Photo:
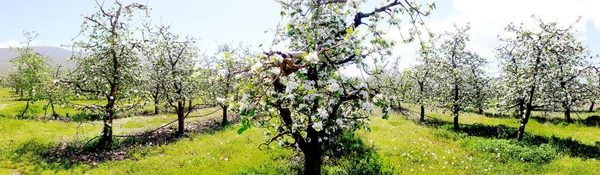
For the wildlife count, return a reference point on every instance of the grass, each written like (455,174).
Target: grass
(397,145)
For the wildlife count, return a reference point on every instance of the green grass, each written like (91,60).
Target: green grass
(399,145)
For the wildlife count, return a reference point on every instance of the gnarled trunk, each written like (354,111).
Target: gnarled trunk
(525,118)
(313,153)
(107,131)
(591,107)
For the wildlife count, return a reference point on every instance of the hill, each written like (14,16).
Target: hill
(57,55)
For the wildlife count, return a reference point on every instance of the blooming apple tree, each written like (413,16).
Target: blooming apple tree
(538,67)
(225,66)
(455,72)
(110,67)
(303,95)
(174,59)
(423,76)
(33,70)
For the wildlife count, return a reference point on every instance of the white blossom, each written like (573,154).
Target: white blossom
(278,57)
(291,86)
(256,67)
(339,121)
(318,126)
(322,113)
(334,87)
(312,57)
(367,106)
(220,100)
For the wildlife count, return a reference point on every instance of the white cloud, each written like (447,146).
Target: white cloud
(489,18)
(14,43)
(10,43)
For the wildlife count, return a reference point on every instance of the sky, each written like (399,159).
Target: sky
(232,21)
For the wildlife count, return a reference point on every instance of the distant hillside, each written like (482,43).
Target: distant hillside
(57,56)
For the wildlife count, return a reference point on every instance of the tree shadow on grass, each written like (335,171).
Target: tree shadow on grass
(567,145)
(499,115)
(62,156)
(589,121)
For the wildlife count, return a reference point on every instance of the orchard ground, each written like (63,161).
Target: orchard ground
(400,145)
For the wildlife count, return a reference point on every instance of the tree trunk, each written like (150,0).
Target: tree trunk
(591,107)
(528,109)
(455,115)
(568,114)
(313,152)
(312,162)
(422,113)
(156,106)
(21,91)
(224,121)
(107,131)
(521,108)
(25,110)
(190,106)
(53,111)
(180,118)
(456,106)
(524,121)
(480,111)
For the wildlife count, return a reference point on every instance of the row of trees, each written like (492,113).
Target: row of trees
(301,94)
(124,71)
(33,76)
(541,68)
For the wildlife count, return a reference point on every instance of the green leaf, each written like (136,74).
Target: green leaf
(241,130)
(385,116)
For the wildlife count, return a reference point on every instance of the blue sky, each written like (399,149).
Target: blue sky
(58,21)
